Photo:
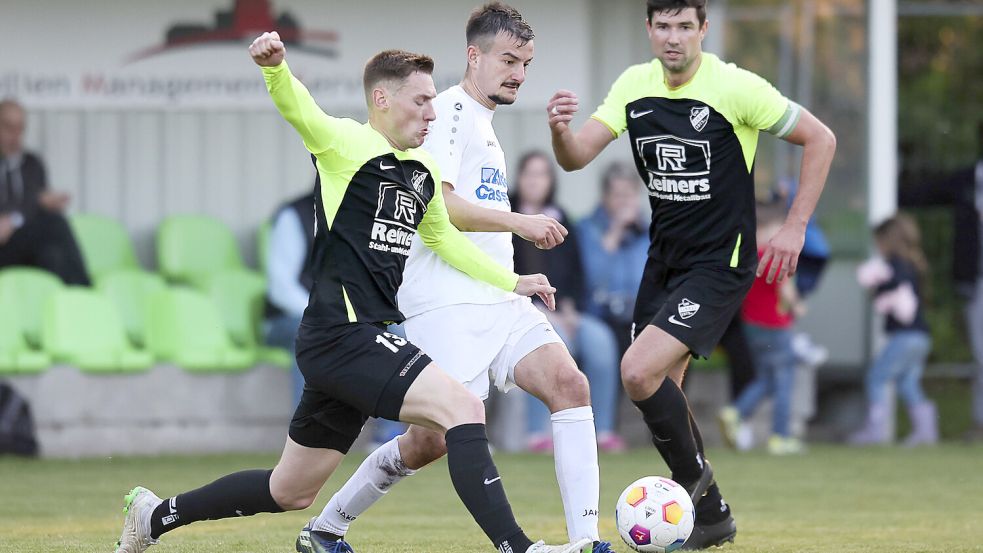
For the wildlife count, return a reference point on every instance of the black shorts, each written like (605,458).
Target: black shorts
(351,372)
(693,305)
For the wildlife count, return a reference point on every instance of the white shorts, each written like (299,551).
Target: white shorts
(476,343)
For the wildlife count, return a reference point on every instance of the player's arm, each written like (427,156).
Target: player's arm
(819,145)
(574,150)
(445,240)
(546,232)
(291,97)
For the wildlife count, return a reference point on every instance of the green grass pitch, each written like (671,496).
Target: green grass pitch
(832,499)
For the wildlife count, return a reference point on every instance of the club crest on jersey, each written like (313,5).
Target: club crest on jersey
(698,117)
(419,177)
(687,308)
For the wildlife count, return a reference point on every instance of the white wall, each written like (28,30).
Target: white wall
(140,156)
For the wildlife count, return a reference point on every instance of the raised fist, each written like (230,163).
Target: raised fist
(267,50)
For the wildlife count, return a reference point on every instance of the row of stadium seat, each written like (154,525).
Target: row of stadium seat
(190,248)
(201,312)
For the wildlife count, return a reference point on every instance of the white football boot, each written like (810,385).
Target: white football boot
(140,505)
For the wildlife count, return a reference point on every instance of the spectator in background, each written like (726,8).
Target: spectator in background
(33,227)
(590,341)
(812,264)
(897,277)
(769,313)
(613,245)
(963,191)
(289,277)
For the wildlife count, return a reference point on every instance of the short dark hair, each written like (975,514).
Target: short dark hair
(617,170)
(495,17)
(676,6)
(394,65)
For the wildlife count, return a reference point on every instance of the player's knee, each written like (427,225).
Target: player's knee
(572,387)
(635,375)
(461,407)
(472,410)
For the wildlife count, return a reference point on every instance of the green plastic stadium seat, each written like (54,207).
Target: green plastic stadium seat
(186,328)
(130,291)
(105,244)
(263,245)
(278,357)
(239,296)
(82,328)
(192,247)
(15,355)
(28,290)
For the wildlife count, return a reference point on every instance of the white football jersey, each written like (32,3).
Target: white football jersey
(464,144)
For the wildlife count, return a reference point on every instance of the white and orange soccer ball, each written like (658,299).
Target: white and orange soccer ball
(655,514)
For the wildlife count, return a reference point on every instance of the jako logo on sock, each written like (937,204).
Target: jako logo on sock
(505,547)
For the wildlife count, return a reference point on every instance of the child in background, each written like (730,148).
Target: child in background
(769,313)
(897,278)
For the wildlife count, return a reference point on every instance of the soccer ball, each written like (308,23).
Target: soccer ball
(655,514)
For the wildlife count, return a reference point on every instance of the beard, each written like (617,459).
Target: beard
(499,100)
(677,66)
(503,101)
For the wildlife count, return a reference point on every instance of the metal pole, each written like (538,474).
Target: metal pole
(882,107)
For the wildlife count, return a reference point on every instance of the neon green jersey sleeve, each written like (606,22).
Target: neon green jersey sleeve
(625,89)
(319,130)
(758,104)
(445,240)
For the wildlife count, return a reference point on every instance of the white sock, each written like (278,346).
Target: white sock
(377,473)
(575,456)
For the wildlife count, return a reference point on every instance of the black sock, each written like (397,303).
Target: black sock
(240,494)
(480,487)
(667,415)
(696,434)
(711,508)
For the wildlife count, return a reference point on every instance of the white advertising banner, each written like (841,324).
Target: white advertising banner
(192,53)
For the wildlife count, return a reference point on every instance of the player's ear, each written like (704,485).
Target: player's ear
(380,98)
(704,28)
(473,54)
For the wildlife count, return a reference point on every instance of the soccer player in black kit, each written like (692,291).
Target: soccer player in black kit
(693,123)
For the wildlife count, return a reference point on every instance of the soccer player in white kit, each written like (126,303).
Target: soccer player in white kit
(476,333)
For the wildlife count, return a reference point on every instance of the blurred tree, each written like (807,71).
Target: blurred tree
(940,103)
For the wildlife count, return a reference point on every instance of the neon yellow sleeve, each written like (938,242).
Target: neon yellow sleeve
(759,104)
(445,240)
(624,90)
(294,102)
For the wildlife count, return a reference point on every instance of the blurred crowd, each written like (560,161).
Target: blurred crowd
(596,272)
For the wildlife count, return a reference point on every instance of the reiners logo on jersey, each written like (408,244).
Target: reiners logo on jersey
(678,168)
(698,117)
(396,216)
